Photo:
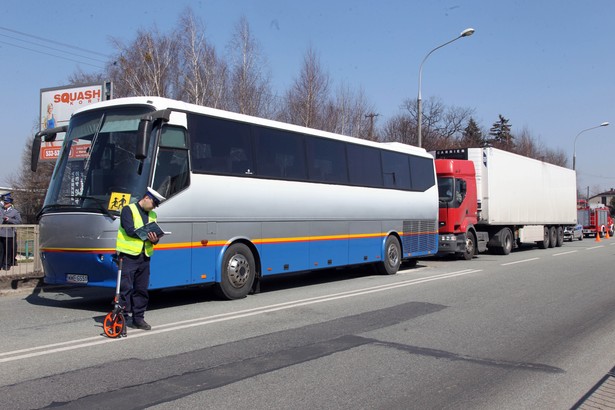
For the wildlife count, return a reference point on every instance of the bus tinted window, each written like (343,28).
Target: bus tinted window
(364,166)
(395,170)
(422,173)
(279,154)
(327,160)
(220,146)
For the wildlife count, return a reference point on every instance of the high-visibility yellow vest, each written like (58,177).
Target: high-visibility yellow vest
(133,246)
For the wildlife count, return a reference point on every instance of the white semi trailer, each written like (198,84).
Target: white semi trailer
(518,200)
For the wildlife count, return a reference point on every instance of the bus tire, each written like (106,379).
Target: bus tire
(392,257)
(238,272)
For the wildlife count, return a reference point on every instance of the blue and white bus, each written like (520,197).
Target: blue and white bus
(246,197)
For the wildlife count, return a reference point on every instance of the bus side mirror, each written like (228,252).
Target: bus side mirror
(36,149)
(145,129)
(48,135)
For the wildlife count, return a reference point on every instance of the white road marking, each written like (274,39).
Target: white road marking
(522,261)
(185,324)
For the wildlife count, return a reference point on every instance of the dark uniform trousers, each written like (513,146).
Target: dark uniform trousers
(134,284)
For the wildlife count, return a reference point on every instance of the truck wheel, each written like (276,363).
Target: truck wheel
(560,237)
(238,272)
(552,237)
(470,246)
(392,257)
(544,244)
(506,241)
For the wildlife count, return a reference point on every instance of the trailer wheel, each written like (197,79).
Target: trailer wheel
(506,241)
(392,257)
(470,249)
(238,272)
(544,244)
(560,237)
(552,237)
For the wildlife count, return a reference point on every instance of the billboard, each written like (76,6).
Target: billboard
(57,106)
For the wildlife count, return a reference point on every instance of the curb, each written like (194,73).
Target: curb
(14,282)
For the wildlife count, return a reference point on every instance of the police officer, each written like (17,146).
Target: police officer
(8,235)
(135,255)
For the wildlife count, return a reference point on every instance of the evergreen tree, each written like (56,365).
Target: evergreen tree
(472,136)
(500,134)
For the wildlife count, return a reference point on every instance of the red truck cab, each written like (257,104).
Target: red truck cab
(458,209)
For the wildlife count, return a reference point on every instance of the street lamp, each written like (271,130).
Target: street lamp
(574,153)
(465,33)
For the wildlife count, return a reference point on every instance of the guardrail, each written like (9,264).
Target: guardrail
(27,259)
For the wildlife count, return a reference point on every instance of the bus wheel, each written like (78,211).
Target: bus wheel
(392,257)
(238,272)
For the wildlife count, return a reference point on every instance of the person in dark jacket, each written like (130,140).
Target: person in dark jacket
(8,244)
(135,254)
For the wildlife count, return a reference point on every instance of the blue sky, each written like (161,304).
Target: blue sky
(547,65)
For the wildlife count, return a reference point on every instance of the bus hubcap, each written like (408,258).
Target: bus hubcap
(238,270)
(393,256)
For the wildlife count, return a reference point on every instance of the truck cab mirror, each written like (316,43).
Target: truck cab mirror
(463,187)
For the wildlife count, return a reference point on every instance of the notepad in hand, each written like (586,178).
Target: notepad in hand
(150,227)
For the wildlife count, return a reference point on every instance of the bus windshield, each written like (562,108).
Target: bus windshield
(97,170)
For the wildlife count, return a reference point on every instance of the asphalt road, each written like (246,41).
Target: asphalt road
(531,330)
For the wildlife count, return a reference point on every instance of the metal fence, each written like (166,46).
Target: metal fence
(24,259)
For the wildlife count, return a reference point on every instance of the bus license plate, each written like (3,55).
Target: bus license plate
(76,278)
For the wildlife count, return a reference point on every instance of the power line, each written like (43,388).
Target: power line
(52,48)
(49,54)
(53,42)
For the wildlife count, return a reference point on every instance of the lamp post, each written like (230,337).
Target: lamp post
(465,33)
(574,152)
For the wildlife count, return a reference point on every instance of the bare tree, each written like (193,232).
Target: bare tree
(349,113)
(526,145)
(249,89)
(400,128)
(81,77)
(203,75)
(147,66)
(30,187)
(306,99)
(442,126)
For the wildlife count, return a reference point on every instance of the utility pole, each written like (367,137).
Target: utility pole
(371,124)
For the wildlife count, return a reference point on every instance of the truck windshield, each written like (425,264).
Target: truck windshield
(97,170)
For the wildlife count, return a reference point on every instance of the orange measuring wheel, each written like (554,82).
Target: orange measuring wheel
(114,324)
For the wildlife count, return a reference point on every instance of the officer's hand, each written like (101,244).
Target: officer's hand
(153,238)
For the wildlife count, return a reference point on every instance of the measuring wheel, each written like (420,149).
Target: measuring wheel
(114,324)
